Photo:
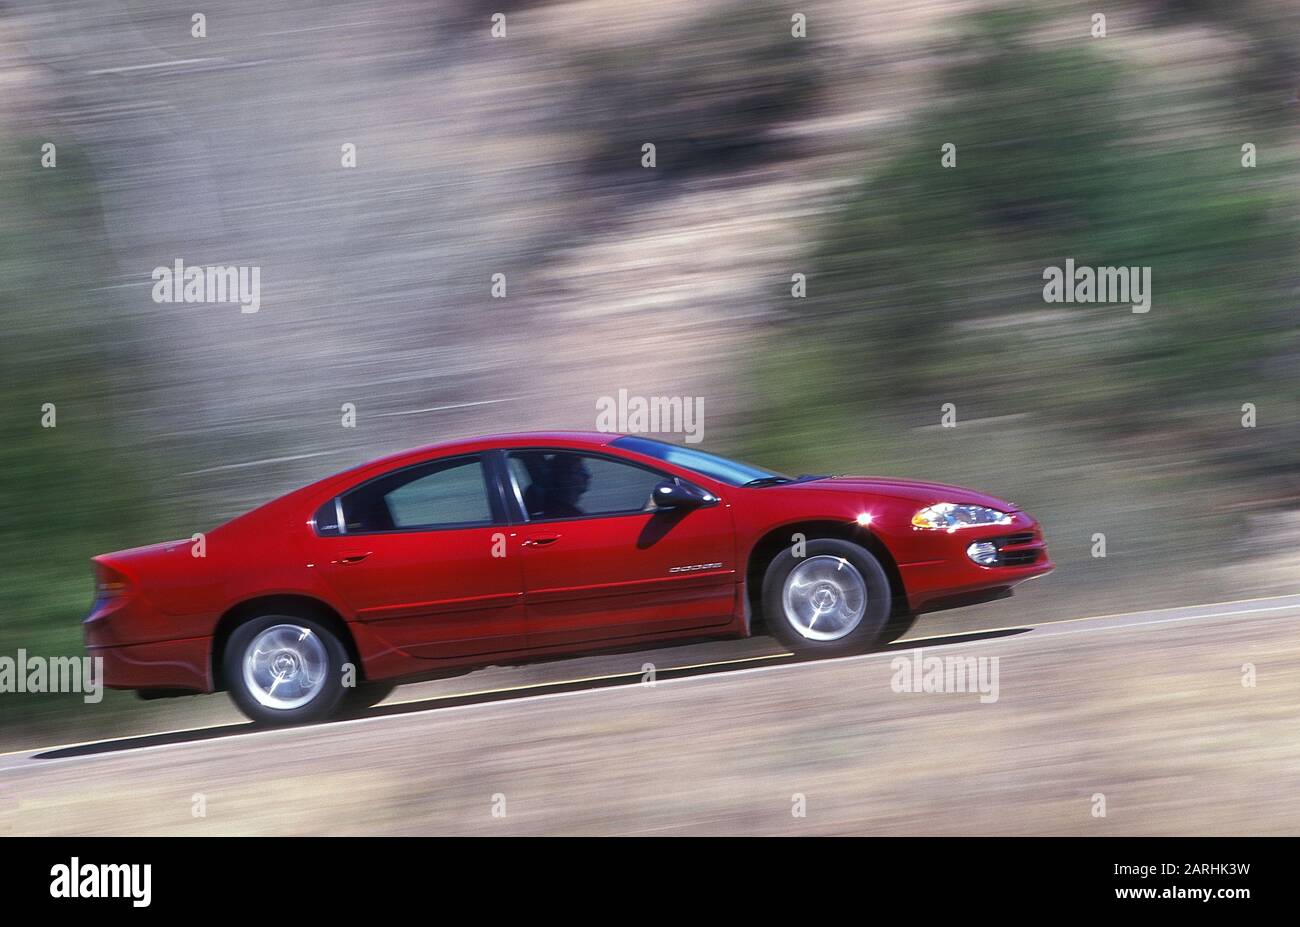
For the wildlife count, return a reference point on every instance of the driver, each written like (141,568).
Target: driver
(567,478)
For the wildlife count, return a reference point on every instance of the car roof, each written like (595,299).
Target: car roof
(510,439)
(481,443)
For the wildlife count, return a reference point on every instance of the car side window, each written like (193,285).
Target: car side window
(327,517)
(441,494)
(563,484)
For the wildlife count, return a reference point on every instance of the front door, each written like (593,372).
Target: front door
(601,563)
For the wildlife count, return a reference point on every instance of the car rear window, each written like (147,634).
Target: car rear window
(440,494)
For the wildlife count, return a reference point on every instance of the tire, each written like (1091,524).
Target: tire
(304,654)
(833,601)
(360,698)
(898,625)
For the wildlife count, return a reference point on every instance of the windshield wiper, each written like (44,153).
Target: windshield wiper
(778,480)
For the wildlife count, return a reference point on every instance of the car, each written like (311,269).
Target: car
(517,548)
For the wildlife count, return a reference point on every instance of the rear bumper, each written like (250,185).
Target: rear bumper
(951,578)
(182,664)
(123,631)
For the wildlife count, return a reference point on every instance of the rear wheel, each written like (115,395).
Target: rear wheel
(834,600)
(284,669)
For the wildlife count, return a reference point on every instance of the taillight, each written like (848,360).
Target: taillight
(109,583)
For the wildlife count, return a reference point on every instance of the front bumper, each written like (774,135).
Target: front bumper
(948,576)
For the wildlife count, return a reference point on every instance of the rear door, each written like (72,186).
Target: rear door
(601,563)
(418,554)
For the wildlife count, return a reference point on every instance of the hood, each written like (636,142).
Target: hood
(915,490)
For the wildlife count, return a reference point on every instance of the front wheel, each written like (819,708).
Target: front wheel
(834,600)
(284,669)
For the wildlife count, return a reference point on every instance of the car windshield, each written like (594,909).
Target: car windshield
(721,469)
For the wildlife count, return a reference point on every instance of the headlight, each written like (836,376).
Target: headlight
(951,515)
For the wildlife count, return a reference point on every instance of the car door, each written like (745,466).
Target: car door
(601,563)
(419,555)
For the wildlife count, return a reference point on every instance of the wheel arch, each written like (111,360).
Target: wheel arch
(297,604)
(780,538)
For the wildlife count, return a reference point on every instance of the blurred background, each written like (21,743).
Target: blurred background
(776,155)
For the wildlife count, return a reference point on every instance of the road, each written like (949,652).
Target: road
(1150,717)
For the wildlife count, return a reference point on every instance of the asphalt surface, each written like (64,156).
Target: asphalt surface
(1181,721)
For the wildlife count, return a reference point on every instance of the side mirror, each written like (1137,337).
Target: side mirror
(677,494)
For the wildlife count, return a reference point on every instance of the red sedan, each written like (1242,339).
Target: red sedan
(531,546)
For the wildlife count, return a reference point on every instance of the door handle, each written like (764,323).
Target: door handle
(353,558)
(541,540)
